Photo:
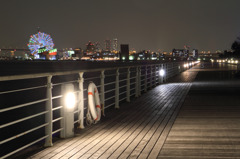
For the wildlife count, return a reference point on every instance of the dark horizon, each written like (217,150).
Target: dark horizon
(144,25)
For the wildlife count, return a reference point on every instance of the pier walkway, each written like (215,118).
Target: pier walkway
(196,114)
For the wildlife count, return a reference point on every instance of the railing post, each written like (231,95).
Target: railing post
(128,85)
(179,68)
(117,90)
(154,77)
(81,101)
(151,72)
(102,76)
(136,82)
(166,72)
(48,116)
(159,77)
(145,80)
(139,81)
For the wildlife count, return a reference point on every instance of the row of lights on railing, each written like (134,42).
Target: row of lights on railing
(190,64)
(226,61)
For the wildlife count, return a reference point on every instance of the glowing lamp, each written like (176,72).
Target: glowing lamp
(162,72)
(70,100)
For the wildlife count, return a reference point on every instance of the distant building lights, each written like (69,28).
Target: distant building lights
(131,58)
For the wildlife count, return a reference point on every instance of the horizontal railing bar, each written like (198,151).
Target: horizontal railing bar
(109,105)
(133,83)
(76,121)
(133,77)
(76,91)
(122,99)
(23,119)
(23,105)
(44,137)
(24,89)
(55,84)
(122,80)
(132,94)
(122,86)
(75,111)
(109,90)
(110,75)
(109,98)
(122,93)
(57,131)
(23,133)
(56,108)
(98,86)
(57,97)
(60,118)
(132,89)
(91,78)
(109,83)
(121,73)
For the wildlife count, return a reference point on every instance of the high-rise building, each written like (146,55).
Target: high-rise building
(115,44)
(97,46)
(195,53)
(124,54)
(108,45)
(90,48)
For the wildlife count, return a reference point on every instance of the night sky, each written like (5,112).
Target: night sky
(143,24)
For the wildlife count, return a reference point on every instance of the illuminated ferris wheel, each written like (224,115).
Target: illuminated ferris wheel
(38,41)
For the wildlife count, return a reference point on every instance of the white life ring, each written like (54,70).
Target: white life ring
(94,101)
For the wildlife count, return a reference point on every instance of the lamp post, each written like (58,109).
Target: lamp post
(68,102)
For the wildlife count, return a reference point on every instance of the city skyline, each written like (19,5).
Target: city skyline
(144,25)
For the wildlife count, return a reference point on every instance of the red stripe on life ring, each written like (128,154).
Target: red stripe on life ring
(98,106)
(90,93)
(96,117)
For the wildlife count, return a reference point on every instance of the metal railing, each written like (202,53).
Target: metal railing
(40,119)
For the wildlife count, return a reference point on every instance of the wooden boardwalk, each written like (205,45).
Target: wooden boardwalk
(137,130)
(195,115)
